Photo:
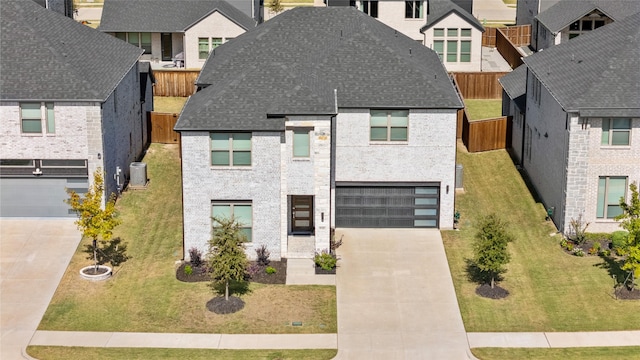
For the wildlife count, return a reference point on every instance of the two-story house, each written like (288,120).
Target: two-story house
(344,122)
(579,142)
(180,32)
(70,102)
(568,19)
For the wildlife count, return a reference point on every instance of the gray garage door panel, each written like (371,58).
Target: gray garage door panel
(387,206)
(38,197)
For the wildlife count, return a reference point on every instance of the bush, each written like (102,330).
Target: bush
(605,252)
(569,246)
(188,270)
(196,256)
(254,269)
(578,228)
(564,243)
(619,241)
(578,252)
(262,254)
(325,260)
(270,270)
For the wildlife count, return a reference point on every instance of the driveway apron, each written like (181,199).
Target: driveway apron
(34,254)
(396,298)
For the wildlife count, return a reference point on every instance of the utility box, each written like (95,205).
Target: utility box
(459,176)
(138,173)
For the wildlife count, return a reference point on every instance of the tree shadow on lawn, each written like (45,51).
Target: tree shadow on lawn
(235,287)
(475,275)
(614,267)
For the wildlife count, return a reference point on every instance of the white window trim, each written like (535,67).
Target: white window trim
(233,203)
(44,119)
(612,130)
(231,165)
(604,218)
(210,44)
(389,141)
(458,38)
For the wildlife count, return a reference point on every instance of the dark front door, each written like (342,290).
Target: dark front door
(302,214)
(167,47)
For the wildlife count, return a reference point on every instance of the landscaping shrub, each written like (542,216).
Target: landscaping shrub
(196,256)
(262,254)
(188,270)
(270,270)
(325,260)
(619,241)
(578,252)
(578,228)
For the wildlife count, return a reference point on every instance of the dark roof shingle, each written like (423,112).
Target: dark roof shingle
(596,73)
(515,85)
(46,56)
(165,15)
(439,9)
(565,12)
(272,70)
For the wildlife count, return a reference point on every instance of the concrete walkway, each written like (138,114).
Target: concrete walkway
(396,298)
(555,339)
(34,254)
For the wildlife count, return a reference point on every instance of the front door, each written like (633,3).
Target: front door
(301,214)
(167,47)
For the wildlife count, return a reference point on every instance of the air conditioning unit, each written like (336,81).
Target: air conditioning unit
(138,173)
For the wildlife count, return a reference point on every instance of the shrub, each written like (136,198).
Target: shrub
(262,254)
(597,246)
(564,243)
(593,251)
(605,252)
(578,228)
(196,256)
(188,270)
(619,241)
(569,246)
(325,260)
(578,252)
(254,269)
(270,270)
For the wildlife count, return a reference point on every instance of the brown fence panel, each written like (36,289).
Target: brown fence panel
(479,85)
(484,135)
(175,82)
(508,50)
(489,37)
(161,125)
(519,35)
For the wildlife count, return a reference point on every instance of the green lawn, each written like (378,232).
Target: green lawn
(168,104)
(594,353)
(144,295)
(80,353)
(478,109)
(549,290)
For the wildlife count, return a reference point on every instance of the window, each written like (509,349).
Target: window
(413,9)
(32,116)
(240,211)
(16,163)
(587,24)
(610,190)
(616,131)
(370,8)
(389,125)
(203,48)
(536,88)
(301,143)
(215,42)
(231,149)
(458,44)
(141,40)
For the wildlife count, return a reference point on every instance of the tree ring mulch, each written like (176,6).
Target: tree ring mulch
(221,306)
(624,293)
(497,292)
(321,271)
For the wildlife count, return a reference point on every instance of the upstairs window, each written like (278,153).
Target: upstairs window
(141,40)
(458,44)
(36,117)
(370,8)
(205,45)
(230,149)
(301,143)
(389,125)
(413,9)
(616,132)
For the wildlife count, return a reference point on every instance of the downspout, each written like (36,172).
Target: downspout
(524,120)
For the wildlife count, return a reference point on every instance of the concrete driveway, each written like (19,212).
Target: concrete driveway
(34,254)
(396,298)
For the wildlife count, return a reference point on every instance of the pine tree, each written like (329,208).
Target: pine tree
(227,259)
(490,247)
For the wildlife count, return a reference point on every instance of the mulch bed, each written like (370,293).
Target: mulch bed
(219,305)
(585,246)
(258,275)
(321,271)
(496,292)
(623,293)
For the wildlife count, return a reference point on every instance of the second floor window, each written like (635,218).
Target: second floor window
(616,132)
(458,44)
(139,39)
(36,117)
(389,125)
(301,148)
(205,45)
(230,149)
(413,9)
(370,8)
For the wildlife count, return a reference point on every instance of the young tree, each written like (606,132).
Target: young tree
(490,247)
(275,6)
(94,220)
(227,259)
(630,221)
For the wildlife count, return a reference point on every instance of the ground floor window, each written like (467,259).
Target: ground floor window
(139,39)
(241,211)
(610,190)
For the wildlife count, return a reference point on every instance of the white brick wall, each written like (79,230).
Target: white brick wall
(215,25)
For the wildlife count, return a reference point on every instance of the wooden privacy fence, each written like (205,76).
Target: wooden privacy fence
(161,125)
(508,50)
(484,135)
(479,85)
(519,35)
(175,82)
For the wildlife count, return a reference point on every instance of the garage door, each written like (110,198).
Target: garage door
(387,206)
(38,197)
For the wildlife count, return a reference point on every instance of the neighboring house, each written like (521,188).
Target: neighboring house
(64,7)
(526,10)
(171,30)
(581,133)
(514,102)
(71,109)
(568,19)
(344,123)
(455,35)
(407,17)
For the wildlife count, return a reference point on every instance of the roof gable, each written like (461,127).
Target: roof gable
(440,9)
(565,12)
(46,56)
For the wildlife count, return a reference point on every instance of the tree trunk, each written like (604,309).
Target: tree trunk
(226,290)
(492,282)
(95,255)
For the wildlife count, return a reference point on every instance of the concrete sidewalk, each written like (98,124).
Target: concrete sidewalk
(555,339)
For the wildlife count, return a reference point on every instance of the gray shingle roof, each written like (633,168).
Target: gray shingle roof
(292,63)
(439,9)
(515,85)
(165,15)
(46,56)
(597,73)
(565,12)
